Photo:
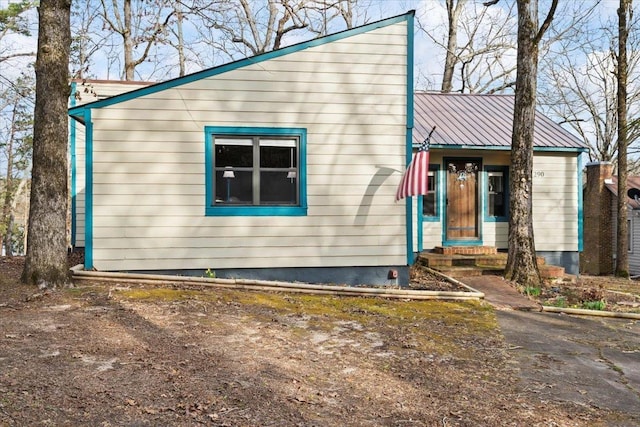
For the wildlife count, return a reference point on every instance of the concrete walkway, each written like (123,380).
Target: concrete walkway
(586,360)
(500,293)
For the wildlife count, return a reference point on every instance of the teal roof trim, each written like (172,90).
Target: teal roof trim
(210,72)
(501,148)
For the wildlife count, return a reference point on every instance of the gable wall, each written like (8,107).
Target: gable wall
(149,177)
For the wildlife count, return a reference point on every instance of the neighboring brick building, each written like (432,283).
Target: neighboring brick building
(600,217)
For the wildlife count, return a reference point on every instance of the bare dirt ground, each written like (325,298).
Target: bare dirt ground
(106,355)
(592,292)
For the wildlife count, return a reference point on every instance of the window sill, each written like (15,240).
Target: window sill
(496,219)
(256,211)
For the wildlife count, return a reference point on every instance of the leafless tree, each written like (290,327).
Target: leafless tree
(479,46)
(87,38)
(522,266)
(140,25)
(625,15)
(242,28)
(580,89)
(15,151)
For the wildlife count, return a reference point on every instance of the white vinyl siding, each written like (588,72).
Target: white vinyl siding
(80,177)
(350,95)
(90,91)
(555,201)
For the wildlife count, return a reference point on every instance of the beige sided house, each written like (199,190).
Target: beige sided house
(279,166)
(84,92)
(469,165)
(285,166)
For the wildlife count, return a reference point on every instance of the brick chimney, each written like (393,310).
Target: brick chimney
(597,256)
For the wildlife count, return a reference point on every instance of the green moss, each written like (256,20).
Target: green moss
(160,294)
(457,322)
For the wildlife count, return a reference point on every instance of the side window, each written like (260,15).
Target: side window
(255,171)
(497,195)
(430,208)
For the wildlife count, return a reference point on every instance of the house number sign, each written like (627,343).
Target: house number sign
(538,174)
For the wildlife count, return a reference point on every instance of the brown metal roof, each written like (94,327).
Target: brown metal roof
(476,121)
(632,182)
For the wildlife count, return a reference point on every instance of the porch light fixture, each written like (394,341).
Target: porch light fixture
(292,175)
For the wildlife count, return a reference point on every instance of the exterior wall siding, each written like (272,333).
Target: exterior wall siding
(555,201)
(149,177)
(85,92)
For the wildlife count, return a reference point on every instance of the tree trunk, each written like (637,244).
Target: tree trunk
(453,13)
(129,63)
(521,261)
(46,262)
(8,190)
(180,34)
(622,257)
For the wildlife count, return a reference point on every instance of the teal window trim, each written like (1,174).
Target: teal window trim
(485,198)
(221,210)
(435,168)
(88,210)
(73,149)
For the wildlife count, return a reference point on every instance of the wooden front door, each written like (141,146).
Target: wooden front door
(462,199)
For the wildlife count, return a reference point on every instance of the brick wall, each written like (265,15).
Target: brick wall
(597,257)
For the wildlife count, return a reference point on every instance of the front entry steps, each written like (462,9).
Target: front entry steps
(465,261)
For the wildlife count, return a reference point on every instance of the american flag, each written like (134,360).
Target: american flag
(414,180)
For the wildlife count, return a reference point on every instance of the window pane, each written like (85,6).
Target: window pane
(496,204)
(496,182)
(237,190)
(429,200)
(276,188)
(233,155)
(278,157)
(429,205)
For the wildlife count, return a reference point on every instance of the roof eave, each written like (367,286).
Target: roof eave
(505,148)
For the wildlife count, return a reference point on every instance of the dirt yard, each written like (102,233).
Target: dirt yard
(107,355)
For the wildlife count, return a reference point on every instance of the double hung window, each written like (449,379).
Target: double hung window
(430,200)
(497,201)
(259,171)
